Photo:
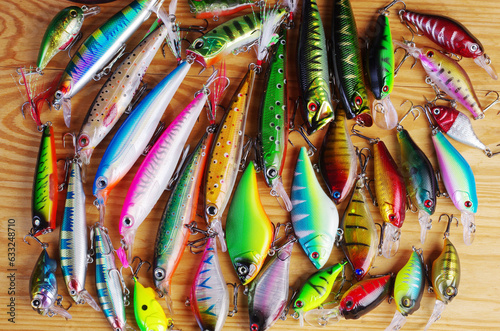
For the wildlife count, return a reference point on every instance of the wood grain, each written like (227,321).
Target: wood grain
(477,306)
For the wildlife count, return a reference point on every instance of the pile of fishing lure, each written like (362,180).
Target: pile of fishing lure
(249,235)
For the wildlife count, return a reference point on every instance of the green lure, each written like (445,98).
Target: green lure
(312,58)
(149,314)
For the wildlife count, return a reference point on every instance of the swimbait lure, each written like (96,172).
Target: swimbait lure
(314,216)
(217,8)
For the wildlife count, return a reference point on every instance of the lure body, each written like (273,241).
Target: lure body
(359,241)
(420,179)
(98,50)
(117,93)
(317,109)
(73,246)
(314,216)
(134,134)
(225,156)
(149,314)
(180,210)
(43,287)
(209,295)
(249,232)
(347,66)
(268,293)
(156,169)
(108,280)
(456,125)
(216,8)
(60,33)
(45,192)
(337,159)
(459,182)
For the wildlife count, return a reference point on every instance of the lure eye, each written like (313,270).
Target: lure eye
(314,255)
(212,210)
(436,111)
(36,303)
(349,304)
(72,292)
(83,141)
(385,88)
(198,44)
(473,47)
(392,217)
(144,307)
(272,172)
(36,221)
(242,270)
(101,182)
(406,302)
(254,327)
(450,291)
(159,273)
(58,94)
(127,221)
(430,54)
(73,13)
(468,204)
(359,271)
(312,106)
(336,195)
(299,304)
(358,101)
(428,203)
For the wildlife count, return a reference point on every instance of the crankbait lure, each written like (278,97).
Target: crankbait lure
(209,298)
(316,290)
(180,210)
(312,62)
(268,293)
(216,8)
(314,216)
(381,74)
(337,159)
(225,157)
(117,93)
(408,289)
(347,66)
(62,32)
(133,135)
(249,232)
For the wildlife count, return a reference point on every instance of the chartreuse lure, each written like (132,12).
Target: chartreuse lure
(249,232)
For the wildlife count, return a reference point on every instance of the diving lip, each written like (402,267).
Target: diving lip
(197,57)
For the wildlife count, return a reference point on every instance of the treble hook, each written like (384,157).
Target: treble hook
(312,149)
(73,140)
(31,235)
(363,160)
(235,299)
(448,225)
(399,127)
(405,57)
(440,95)
(381,239)
(247,147)
(196,28)
(385,11)
(357,133)
(497,99)
(139,266)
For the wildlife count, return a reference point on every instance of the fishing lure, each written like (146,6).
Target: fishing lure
(337,159)
(117,93)
(408,289)
(45,190)
(62,32)
(347,66)
(314,216)
(381,74)
(312,60)
(109,279)
(419,177)
(225,156)
(451,35)
(268,293)
(216,8)
(92,1)
(209,298)
(156,169)
(133,135)
(359,234)
(249,232)
(73,246)
(274,123)
(316,289)
(180,210)
(358,301)
(103,46)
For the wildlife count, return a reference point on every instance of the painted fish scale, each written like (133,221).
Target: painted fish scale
(215,8)
(446,273)
(409,285)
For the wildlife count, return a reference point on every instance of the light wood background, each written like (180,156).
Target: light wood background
(477,306)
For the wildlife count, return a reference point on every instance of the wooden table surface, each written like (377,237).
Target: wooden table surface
(477,306)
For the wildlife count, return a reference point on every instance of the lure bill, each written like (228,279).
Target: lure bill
(312,60)
(216,8)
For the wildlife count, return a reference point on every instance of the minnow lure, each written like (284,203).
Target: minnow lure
(451,35)
(117,93)
(337,159)
(381,74)
(45,190)
(62,32)
(43,287)
(108,279)
(209,298)
(445,279)
(249,232)
(225,156)
(156,169)
(312,60)
(448,75)
(347,66)
(268,293)
(217,8)
(180,210)
(358,301)
(73,246)
(273,121)
(314,216)
(134,134)
(99,49)
(316,289)
(408,289)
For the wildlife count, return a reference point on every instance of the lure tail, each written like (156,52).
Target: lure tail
(436,313)
(217,92)
(272,19)
(173,31)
